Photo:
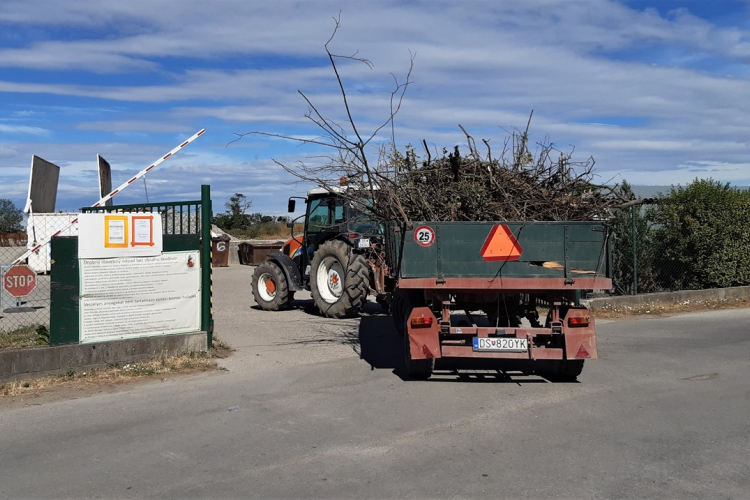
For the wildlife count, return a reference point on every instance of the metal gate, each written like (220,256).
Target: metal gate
(186,225)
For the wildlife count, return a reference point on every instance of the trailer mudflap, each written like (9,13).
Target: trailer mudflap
(424,334)
(580,343)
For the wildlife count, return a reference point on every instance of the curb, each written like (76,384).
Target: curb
(39,361)
(737,292)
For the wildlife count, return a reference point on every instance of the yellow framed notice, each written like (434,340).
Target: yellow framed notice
(116,231)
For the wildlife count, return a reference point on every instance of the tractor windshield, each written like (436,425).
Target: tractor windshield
(361,222)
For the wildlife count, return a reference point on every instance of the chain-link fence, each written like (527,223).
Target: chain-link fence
(25,290)
(674,245)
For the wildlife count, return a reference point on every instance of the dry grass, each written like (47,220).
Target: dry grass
(614,312)
(25,336)
(156,368)
(270,231)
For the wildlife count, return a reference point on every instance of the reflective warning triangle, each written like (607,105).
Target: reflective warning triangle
(501,245)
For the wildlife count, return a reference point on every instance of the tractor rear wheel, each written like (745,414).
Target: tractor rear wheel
(339,280)
(270,287)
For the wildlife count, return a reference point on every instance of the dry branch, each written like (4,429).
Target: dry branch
(514,186)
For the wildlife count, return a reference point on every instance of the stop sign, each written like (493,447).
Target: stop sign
(19,281)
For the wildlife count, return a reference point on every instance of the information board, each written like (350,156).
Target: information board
(139,296)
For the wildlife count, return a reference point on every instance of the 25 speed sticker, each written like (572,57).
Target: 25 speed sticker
(424,235)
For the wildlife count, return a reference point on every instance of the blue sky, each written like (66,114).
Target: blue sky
(658,92)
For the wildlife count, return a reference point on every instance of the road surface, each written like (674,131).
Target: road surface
(315,408)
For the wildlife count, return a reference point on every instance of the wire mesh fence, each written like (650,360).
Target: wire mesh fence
(25,290)
(673,246)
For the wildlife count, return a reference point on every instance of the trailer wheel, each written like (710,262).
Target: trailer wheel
(570,369)
(417,369)
(270,287)
(402,302)
(564,370)
(339,281)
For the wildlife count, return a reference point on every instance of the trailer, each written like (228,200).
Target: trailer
(500,276)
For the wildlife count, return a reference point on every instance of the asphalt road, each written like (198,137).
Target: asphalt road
(314,408)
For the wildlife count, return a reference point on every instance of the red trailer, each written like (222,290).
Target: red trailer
(497,290)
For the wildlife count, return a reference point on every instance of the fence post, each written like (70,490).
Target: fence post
(635,251)
(207,322)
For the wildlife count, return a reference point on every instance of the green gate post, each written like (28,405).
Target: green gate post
(635,252)
(207,321)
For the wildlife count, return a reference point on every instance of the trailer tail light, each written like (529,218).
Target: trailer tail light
(578,321)
(421,322)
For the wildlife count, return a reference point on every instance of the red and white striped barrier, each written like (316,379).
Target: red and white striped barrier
(112,194)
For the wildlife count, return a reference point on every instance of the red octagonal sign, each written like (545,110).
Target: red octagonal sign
(19,281)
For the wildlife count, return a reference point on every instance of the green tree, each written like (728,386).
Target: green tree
(235,216)
(703,230)
(10,217)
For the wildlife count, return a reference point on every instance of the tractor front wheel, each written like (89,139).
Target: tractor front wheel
(270,287)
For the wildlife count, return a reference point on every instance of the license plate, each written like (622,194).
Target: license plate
(364,243)
(506,344)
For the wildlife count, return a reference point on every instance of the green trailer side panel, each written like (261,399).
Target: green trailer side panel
(456,251)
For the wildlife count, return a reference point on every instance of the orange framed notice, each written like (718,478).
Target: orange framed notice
(143,230)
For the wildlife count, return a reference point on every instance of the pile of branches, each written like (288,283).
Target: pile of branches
(514,186)
(517,184)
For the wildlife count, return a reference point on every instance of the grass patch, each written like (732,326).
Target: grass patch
(26,336)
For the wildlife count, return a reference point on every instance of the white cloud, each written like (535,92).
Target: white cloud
(22,129)
(129,79)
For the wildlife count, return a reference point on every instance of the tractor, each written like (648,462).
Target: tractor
(338,258)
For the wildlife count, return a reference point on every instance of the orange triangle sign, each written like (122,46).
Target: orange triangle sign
(501,245)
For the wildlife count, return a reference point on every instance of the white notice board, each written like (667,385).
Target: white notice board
(117,234)
(139,296)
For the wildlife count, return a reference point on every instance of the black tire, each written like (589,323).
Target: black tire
(417,369)
(570,369)
(339,280)
(402,302)
(564,370)
(270,287)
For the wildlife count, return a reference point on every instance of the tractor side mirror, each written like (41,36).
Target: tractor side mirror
(292,204)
